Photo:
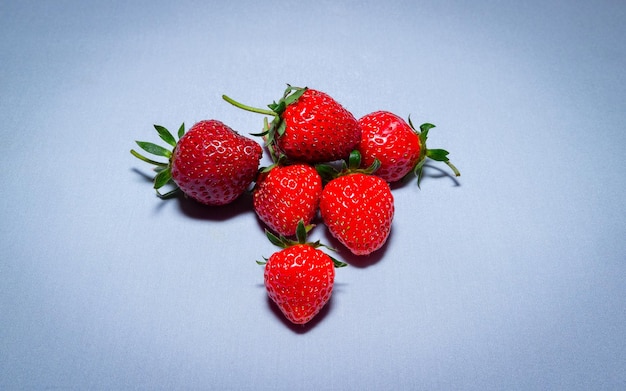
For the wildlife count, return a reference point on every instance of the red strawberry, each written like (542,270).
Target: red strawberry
(398,146)
(358,208)
(287,194)
(388,138)
(211,163)
(300,277)
(309,126)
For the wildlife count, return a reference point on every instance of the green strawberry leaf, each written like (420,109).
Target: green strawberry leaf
(337,263)
(261,134)
(373,167)
(301,232)
(275,240)
(425,127)
(154,149)
(273,106)
(165,135)
(420,175)
(326,171)
(295,96)
(354,160)
(162,178)
(181,130)
(440,155)
(419,172)
(269,136)
(278,108)
(411,123)
(282,127)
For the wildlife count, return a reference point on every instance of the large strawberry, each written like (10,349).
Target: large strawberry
(286,194)
(398,146)
(308,126)
(300,277)
(358,207)
(211,163)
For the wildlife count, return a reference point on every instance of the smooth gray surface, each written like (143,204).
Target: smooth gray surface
(511,280)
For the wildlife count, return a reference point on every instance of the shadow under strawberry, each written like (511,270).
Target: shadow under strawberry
(300,328)
(359,261)
(148,178)
(194,209)
(411,180)
(198,211)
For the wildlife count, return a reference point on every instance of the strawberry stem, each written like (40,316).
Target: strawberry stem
(453,168)
(248,108)
(277,127)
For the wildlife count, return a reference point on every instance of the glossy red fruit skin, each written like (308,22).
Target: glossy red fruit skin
(287,194)
(318,129)
(358,210)
(388,138)
(299,279)
(213,164)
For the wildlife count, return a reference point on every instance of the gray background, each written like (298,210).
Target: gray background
(511,278)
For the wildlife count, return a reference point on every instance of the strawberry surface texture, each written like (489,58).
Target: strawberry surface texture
(318,129)
(299,279)
(388,138)
(287,194)
(214,164)
(358,210)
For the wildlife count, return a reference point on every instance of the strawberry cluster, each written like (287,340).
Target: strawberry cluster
(326,165)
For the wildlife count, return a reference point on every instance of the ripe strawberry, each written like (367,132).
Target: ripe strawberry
(211,163)
(309,126)
(284,195)
(398,146)
(300,277)
(358,208)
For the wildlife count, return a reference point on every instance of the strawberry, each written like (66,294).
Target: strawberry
(286,194)
(398,146)
(300,277)
(211,163)
(358,207)
(308,126)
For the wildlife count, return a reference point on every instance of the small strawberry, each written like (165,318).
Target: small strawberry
(358,207)
(286,194)
(308,126)
(398,146)
(211,163)
(300,277)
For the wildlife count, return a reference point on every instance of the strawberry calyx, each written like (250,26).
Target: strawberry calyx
(440,155)
(302,231)
(329,172)
(278,160)
(275,129)
(164,172)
